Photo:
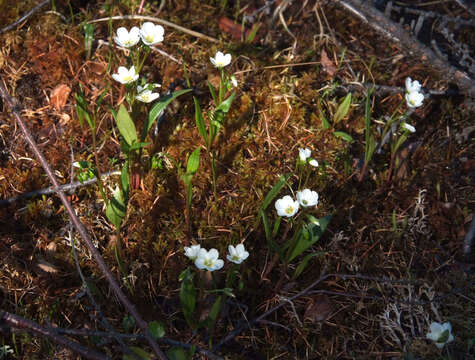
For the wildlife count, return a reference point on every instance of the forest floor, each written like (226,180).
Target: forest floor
(393,249)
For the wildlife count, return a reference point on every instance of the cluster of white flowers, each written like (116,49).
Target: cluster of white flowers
(288,207)
(304,156)
(414,97)
(150,34)
(440,334)
(209,259)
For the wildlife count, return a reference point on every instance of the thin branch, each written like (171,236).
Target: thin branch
(25,17)
(51,190)
(160,21)
(376,20)
(15,109)
(18,322)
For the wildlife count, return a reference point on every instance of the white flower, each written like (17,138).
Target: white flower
(286,206)
(412,86)
(220,60)
(125,76)
(151,34)
(126,38)
(313,162)
(147,96)
(237,254)
(192,252)
(208,260)
(147,87)
(441,334)
(234,81)
(304,154)
(408,127)
(307,197)
(414,99)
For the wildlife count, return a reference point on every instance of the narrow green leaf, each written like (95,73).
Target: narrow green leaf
(226,104)
(311,233)
(200,122)
(212,92)
(269,236)
(138,145)
(159,106)
(275,190)
(126,126)
(188,296)
(253,33)
(342,109)
(214,313)
(325,123)
(193,162)
(302,266)
(125,181)
(344,136)
(156,329)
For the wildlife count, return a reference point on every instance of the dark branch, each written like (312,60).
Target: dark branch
(17,322)
(25,17)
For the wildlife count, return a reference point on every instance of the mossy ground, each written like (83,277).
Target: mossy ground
(410,227)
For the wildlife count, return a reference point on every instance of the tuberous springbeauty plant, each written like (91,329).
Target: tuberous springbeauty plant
(140,95)
(206,262)
(216,117)
(306,228)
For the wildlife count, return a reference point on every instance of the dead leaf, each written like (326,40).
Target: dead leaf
(59,96)
(318,308)
(45,267)
(327,64)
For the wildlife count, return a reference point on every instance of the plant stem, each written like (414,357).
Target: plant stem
(99,175)
(213,170)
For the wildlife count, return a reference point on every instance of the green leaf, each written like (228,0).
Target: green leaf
(275,190)
(212,92)
(187,296)
(176,353)
(101,97)
(193,162)
(305,262)
(342,109)
(156,329)
(116,208)
(270,236)
(159,106)
(138,145)
(344,136)
(309,235)
(126,126)
(200,123)
(214,313)
(325,123)
(253,33)
(128,323)
(226,104)
(142,354)
(125,181)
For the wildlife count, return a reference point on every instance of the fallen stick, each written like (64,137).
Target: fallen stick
(25,17)
(51,190)
(18,322)
(376,20)
(15,109)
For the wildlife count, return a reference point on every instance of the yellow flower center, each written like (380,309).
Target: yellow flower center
(208,262)
(289,210)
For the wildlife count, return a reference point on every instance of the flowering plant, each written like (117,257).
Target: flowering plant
(217,116)
(440,334)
